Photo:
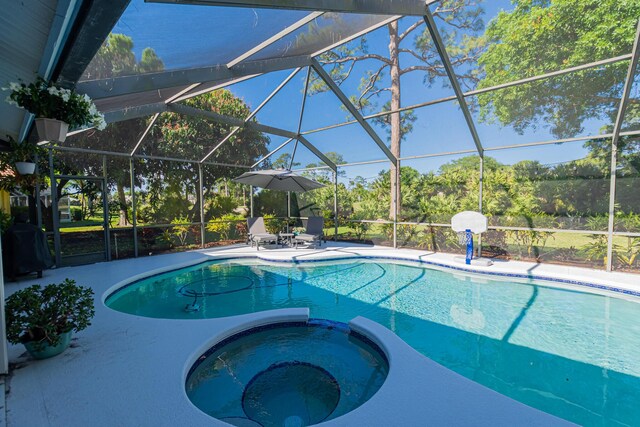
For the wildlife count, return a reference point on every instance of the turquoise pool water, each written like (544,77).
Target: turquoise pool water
(566,352)
(287,375)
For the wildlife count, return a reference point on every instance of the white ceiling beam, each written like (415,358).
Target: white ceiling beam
(206,89)
(453,78)
(135,112)
(265,157)
(271,40)
(352,109)
(233,121)
(145,133)
(126,85)
(356,35)
(252,115)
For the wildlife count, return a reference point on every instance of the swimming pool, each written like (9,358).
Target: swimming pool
(570,353)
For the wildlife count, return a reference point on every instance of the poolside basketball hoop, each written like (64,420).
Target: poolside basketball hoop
(466,224)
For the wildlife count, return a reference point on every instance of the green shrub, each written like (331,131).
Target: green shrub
(165,239)
(220,205)
(180,229)
(628,255)
(273,224)
(41,315)
(225,224)
(360,229)
(6,221)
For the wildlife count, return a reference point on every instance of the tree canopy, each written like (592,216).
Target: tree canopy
(537,37)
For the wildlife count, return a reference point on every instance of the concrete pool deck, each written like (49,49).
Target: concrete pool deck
(129,371)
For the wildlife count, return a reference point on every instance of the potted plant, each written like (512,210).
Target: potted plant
(56,109)
(43,318)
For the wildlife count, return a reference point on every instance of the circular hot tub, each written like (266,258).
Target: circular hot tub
(287,374)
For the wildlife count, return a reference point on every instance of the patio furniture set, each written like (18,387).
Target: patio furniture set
(312,237)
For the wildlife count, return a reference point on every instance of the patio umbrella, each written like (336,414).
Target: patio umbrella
(279,179)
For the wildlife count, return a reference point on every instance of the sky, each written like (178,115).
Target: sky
(195,36)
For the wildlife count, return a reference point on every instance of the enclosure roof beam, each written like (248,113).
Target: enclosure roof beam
(499,148)
(354,112)
(265,157)
(195,112)
(77,131)
(356,35)
(304,102)
(144,134)
(219,144)
(142,156)
(628,83)
(271,40)
(375,7)
(135,112)
(232,121)
(446,62)
(317,152)
(253,113)
(116,86)
(550,74)
(183,92)
(188,94)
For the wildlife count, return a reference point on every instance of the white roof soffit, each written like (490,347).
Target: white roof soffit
(31,40)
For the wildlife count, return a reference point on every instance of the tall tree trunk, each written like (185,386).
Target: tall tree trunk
(396,130)
(122,202)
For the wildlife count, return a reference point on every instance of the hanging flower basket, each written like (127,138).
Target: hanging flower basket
(52,129)
(56,109)
(26,168)
(21,156)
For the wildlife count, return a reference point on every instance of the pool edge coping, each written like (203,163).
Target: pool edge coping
(481,270)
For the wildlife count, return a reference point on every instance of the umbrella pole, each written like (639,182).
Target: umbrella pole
(251,201)
(288,209)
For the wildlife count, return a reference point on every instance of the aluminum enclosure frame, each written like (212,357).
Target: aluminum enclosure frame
(241,68)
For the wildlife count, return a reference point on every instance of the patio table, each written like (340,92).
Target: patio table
(286,239)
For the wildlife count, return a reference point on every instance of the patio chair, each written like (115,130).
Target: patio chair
(258,233)
(314,233)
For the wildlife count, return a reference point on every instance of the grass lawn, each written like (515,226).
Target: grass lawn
(556,240)
(567,240)
(93,223)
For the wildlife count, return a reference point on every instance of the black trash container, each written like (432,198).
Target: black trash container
(25,250)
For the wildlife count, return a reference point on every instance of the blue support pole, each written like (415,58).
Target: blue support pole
(469,240)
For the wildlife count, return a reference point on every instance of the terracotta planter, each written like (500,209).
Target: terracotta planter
(52,130)
(26,168)
(44,351)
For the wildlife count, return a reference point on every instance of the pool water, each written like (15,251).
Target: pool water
(569,353)
(287,375)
